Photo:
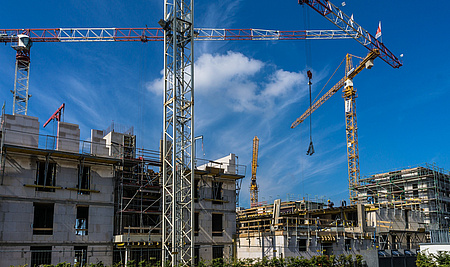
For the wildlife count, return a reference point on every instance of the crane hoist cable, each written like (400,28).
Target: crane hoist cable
(142,91)
(311,146)
(308,59)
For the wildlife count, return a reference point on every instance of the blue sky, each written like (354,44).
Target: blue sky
(248,88)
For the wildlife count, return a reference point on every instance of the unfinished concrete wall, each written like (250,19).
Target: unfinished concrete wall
(21,130)
(98,145)
(15,256)
(19,194)
(227,163)
(206,209)
(68,137)
(114,142)
(16,221)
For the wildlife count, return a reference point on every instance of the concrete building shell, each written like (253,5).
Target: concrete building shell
(56,196)
(216,190)
(294,229)
(425,188)
(66,200)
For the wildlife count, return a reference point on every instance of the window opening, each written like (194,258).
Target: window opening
(45,175)
(217,229)
(43,219)
(81,224)
(196,184)
(196,223)
(41,256)
(80,255)
(301,243)
(196,255)
(217,192)
(84,179)
(217,252)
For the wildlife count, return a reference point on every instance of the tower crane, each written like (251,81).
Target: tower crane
(349,94)
(376,49)
(254,185)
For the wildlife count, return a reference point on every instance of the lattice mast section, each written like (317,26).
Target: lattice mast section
(351,131)
(21,81)
(178,138)
(254,185)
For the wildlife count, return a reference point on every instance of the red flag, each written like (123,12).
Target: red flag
(378,35)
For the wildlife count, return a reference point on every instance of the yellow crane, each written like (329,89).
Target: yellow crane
(254,185)
(351,128)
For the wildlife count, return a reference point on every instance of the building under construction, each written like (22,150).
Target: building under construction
(56,192)
(137,197)
(68,200)
(382,233)
(137,226)
(425,188)
(395,212)
(64,199)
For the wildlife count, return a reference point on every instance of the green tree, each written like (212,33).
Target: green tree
(442,258)
(425,260)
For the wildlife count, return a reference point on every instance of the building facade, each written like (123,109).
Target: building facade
(216,190)
(66,200)
(56,201)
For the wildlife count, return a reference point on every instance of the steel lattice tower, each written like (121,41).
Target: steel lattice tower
(21,81)
(178,139)
(351,132)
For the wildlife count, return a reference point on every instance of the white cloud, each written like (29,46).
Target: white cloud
(240,83)
(282,82)
(213,72)
(156,86)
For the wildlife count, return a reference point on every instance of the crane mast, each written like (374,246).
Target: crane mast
(254,185)
(178,136)
(22,74)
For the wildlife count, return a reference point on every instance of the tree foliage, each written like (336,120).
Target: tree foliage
(323,261)
(441,259)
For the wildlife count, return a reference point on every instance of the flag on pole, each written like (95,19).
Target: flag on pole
(378,35)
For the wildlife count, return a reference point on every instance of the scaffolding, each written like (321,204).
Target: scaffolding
(308,228)
(137,225)
(425,188)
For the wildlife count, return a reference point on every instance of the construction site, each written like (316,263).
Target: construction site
(105,199)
